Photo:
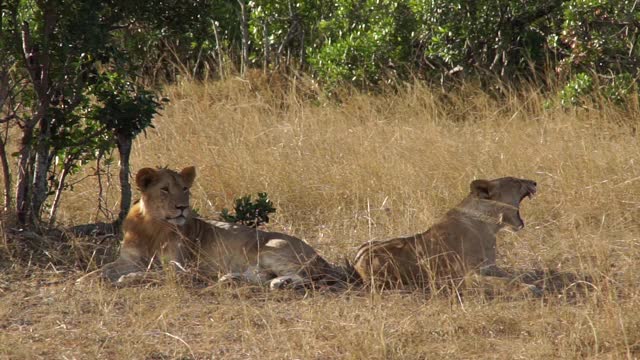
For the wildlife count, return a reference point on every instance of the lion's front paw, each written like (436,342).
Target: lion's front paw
(536,291)
(287,281)
(230,278)
(280,283)
(129,278)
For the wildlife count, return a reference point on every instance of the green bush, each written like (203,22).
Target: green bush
(248,212)
(576,90)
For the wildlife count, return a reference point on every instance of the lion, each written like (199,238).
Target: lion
(162,229)
(463,242)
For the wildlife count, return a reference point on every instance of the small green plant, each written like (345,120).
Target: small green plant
(620,89)
(250,213)
(576,90)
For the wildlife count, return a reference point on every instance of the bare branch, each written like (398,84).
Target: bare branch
(4,87)
(31,58)
(5,170)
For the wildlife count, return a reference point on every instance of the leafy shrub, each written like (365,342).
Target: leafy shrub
(574,92)
(248,212)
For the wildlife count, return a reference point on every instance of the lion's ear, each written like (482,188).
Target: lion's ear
(188,175)
(146,177)
(481,188)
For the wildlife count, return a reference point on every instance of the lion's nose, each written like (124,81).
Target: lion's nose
(181,207)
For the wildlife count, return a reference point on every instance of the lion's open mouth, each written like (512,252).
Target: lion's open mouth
(531,191)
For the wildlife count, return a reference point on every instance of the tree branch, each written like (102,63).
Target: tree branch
(527,18)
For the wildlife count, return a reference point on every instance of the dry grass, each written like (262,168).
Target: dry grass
(371,167)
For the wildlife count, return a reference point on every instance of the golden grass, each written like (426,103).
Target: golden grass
(370,167)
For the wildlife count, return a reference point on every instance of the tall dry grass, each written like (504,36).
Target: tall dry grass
(341,173)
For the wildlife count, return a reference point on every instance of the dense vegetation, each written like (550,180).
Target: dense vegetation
(372,166)
(362,120)
(76,76)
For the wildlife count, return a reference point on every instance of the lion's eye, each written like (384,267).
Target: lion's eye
(165,189)
(185,189)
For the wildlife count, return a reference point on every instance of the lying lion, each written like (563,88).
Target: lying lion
(160,229)
(462,242)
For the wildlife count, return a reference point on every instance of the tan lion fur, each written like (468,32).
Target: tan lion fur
(463,241)
(160,228)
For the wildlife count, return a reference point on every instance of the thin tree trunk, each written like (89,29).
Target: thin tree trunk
(4,85)
(265,40)
(101,200)
(58,196)
(29,200)
(22,185)
(303,51)
(6,173)
(40,187)
(244,28)
(194,73)
(4,93)
(219,51)
(124,148)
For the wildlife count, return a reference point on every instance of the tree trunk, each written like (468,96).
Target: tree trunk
(244,28)
(58,196)
(38,63)
(4,86)
(4,93)
(218,50)
(22,185)
(265,40)
(303,53)
(124,149)
(7,175)
(40,187)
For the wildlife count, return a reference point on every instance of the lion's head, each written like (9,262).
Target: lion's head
(165,193)
(507,193)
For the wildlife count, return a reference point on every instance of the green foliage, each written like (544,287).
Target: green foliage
(620,88)
(366,42)
(122,106)
(363,42)
(574,92)
(97,55)
(617,89)
(73,85)
(248,212)
(165,38)
(599,37)
(291,27)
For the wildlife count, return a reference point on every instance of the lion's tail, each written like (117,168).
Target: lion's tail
(340,276)
(352,276)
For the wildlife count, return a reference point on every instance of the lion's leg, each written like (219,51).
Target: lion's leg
(495,274)
(231,278)
(494,270)
(252,275)
(129,267)
(255,276)
(289,281)
(174,254)
(286,268)
(119,269)
(129,261)
(506,286)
